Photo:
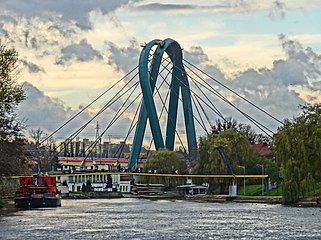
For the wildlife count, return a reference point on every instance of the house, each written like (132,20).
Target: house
(263,149)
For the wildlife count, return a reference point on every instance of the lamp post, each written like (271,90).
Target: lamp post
(243,179)
(262,166)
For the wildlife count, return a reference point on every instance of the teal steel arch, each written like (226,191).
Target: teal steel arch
(148,109)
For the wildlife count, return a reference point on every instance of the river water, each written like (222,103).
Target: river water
(131,218)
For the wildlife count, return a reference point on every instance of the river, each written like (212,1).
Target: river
(132,218)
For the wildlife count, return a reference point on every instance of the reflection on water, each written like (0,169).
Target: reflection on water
(129,218)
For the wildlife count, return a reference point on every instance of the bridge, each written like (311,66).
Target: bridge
(166,79)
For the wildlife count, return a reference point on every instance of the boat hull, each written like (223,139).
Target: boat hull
(37,201)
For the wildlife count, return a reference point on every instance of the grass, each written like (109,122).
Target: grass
(2,202)
(256,190)
(250,190)
(275,192)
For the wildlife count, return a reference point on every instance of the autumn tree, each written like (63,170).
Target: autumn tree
(298,153)
(42,147)
(12,159)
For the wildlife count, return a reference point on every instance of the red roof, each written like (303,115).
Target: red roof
(263,149)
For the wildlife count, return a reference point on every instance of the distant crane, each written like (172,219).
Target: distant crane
(227,163)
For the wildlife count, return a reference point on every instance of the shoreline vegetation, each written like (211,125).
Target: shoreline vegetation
(7,204)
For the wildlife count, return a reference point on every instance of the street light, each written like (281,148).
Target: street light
(262,166)
(243,179)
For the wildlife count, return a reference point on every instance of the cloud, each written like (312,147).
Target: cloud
(277,10)
(48,114)
(32,68)
(123,58)
(41,111)
(176,7)
(82,52)
(278,90)
(196,55)
(73,11)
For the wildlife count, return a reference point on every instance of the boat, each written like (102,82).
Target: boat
(141,188)
(37,192)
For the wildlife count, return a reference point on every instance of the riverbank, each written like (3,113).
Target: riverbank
(89,195)
(306,202)
(215,198)
(7,207)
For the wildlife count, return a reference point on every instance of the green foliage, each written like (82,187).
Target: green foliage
(251,190)
(8,186)
(237,149)
(64,183)
(12,159)
(298,153)
(109,181)
(3,203)
(88,186)
(165,161)
(230,123)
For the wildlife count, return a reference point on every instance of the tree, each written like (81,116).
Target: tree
(230,123)
(109,181)
(12,159)
(237,149)
(298,153)
(166,161)
(43,148)
(88,186)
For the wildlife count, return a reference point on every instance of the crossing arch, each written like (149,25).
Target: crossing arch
(179,82)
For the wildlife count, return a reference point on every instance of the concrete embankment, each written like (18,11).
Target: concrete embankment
(90,195)
(305,202)
(213,198)
(309,202)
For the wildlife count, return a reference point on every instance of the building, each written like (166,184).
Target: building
(96,171)
(263,149)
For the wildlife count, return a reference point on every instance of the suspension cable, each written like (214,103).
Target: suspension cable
(114,119)
(193,93)
(87,106)
(215,92)
(199,114)
(107,105)
(222,97)
(262,110)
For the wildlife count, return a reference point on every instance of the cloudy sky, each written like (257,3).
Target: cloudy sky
(72,51)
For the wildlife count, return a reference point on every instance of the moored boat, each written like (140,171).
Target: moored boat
(37,191)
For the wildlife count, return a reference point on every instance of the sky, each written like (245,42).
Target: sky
(72,51)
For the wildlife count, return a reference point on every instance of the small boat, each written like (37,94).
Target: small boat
(36,192)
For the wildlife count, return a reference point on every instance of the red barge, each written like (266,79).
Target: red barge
(36,192)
